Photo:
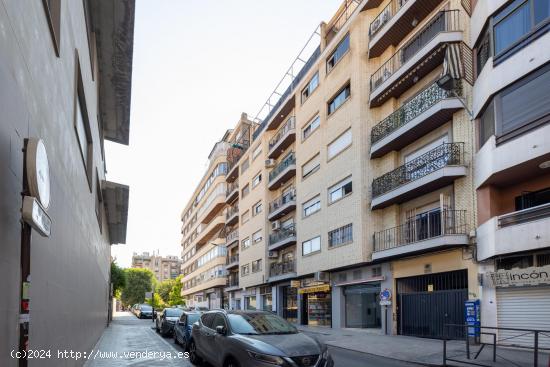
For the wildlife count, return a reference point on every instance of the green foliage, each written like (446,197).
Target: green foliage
(164,288)
(138,281)
(159,303)
(118,278)
(174,297)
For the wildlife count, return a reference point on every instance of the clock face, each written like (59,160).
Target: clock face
(38,171)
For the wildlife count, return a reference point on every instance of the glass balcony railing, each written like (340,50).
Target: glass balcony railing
(410,110)
(231,211)
(289,160)
(447,154)
(282,234)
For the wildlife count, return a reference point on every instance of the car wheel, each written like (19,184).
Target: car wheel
(193,356)
(231,362)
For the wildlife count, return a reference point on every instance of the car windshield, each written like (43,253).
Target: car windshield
(145,308)
(192,318)
(173,312)
(259,324)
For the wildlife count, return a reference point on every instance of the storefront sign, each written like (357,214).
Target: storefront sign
(34,214)
(520,277)
(315,289)
(295,283)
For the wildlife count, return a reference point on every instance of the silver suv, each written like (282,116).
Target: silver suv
(253,338)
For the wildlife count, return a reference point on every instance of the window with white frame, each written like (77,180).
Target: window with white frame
(245,243)
(245,269)
(256,180)
(257,208)
(311,166)
(339,144)
(257,152)
(311,126)
(310,87)
(312,206)
(340,190)
(341,236)
(257,237)
(311,246)
(342,96)
(338,53)
(256,265)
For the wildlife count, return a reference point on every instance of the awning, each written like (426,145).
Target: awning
(115,200)
(315,289)
(452,64)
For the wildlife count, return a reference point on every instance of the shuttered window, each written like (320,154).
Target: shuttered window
(338,145)
(311,166)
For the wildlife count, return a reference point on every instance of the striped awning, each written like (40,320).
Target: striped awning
(452,65)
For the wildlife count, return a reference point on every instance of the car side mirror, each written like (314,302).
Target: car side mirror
(220,330)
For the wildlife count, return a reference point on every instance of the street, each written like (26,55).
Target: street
(130,341)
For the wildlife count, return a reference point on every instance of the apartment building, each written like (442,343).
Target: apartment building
(363,175)
(163,267)
(65,78)
(512,160)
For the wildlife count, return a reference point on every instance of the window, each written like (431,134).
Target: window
(257,237)
(245,217)
(341,236)
(339,144)
(312,206)
(245,191)
(311,126)
(82,126)
(487,124)
(339,99)
(257,208)
(311,166)
(338,53)
(340,190)
(53,13)
(219,320)
(98,202)
(256,265)
(256,180)
(245,270)
(483,51)
(257,152)
(245,165)
(311,246)
(245,243)
(311,86)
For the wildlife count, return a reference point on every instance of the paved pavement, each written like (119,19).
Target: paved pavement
(348,358)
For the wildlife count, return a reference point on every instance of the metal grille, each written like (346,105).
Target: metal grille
(282,234)
(288,126)
(289,160)
(282,200)
(439,281)
(281,268)
(341,235)
(447,154)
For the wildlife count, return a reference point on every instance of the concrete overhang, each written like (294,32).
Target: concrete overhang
(113,24)
(115,200)
(432,244)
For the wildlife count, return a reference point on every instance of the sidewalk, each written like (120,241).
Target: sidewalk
(422,351)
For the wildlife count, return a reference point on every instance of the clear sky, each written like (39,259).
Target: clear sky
(197,65)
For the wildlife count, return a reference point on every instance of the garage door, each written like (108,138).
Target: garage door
(523,308)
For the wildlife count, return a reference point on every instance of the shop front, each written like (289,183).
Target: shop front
(289,295)
(362,303)
(266,296)
(316,304)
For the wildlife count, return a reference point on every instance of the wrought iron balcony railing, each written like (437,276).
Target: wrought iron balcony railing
(233,281)
(282,234)
(423,227)
(385,15)
(231,211)
(287,161)
(410,110)
(232,236)
(444,21)
(231,187)
(335,26)
(233,259)
(281,268)
(282,200)
(289,125)
(447,154)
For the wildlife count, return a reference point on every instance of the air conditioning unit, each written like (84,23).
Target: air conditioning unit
(273,254)
(276,225)
(269,163)
(321,276)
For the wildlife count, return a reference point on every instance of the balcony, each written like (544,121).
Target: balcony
(372,4)
(430,231)
(285,136)
(232,237)
(282,172)
(396,21)
(232,283)
(283,205)
(430,171)
(232,192)
(429,109)
(282,270)
(207,231)
(523,230)
(282,238)
(232,215)
(416,58)
(232,261)
(234,154)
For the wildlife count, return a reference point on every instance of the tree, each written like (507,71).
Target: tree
(118,278)
(138,281)
(164,288)
(175,298)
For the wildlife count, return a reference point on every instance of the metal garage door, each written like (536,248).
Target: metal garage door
(523,308)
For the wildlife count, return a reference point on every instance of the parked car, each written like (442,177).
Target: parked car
(182,329)
(166,319)
(253,338)
(144,311)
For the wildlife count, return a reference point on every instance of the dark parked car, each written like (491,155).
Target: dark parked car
(144,311)
(253,338)
(166,319)
(182,329)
